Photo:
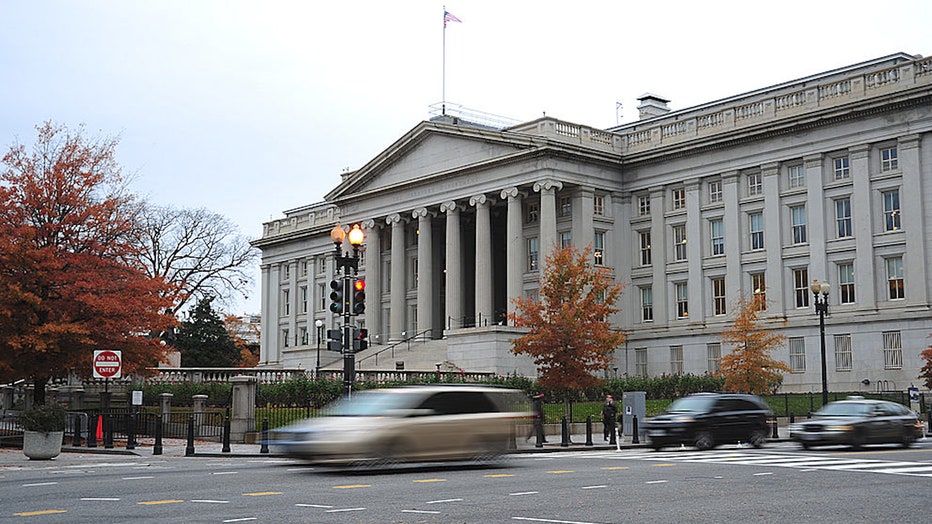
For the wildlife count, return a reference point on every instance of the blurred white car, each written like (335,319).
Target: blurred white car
(417,424)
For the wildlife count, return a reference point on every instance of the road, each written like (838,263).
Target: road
(779,483)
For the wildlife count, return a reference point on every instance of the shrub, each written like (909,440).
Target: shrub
(43,418)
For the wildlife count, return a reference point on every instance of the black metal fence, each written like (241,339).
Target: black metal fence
(98,426)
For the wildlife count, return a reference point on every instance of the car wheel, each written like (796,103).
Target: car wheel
(391,453)
(704,440)
(907,439)
(857,441)
(805,445)
(758,438)
(655,447)
(489,450)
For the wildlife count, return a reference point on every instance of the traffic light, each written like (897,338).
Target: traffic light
(361,339)
(336,297)
(359,296)
(334,340)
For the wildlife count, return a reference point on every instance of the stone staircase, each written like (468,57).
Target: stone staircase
(416,355)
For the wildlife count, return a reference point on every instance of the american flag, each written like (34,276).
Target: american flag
(449,17)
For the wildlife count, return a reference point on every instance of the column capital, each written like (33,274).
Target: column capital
(481,200)
(393,219)
(511,192)
(449,207)
(369,224)
(547,185)
(730,176)
(908,141)
(770,168)
(859,151)
(422,212)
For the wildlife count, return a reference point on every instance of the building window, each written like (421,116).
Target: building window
(797,176)
(895,278)
(533,251)
(888,159)
(797,347)
(892,350)
(891,210)
(643,205)
(756,228)
(676,359)
(759,287)
(302,334)
(755,184)
(322,295)
(715,191)
(843,353)
(717,233)
(645,247)
(842,171)
(801,287)
(679,243)
(598,248)
(532,213)
(798,217)
(566,239)
(304,299)
(682,300)
(846,283)
(598,205)
(566,206)
(713,357)
(679,198)
(286,302)
(303,268)
(718,296)
(640,362)
(286,272)
(285,336)
(647,304)
(321,265)
(843,217)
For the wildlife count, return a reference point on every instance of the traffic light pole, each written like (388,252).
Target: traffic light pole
(349,356)
(343,302)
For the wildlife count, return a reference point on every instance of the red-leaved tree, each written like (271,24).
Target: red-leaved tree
(68,283)
(749,368)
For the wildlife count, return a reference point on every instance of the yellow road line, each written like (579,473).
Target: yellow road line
(499,475)
(610,468)
(154,502)
(664,465)
(560,471)
(353,486)
(430,480)
(262,493)
(35,513)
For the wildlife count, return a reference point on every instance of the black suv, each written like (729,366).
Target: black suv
(706,420)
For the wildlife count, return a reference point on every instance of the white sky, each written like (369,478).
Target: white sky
(249,108)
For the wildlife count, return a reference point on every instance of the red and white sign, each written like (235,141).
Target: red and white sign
(108,364)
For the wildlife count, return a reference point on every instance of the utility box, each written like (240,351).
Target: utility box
(633,404)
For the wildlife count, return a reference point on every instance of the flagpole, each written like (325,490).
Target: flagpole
(443,83)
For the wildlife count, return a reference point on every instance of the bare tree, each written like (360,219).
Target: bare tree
(199,252)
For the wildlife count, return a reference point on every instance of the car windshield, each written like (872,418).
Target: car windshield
(691,405)
(844,409)
(369,404)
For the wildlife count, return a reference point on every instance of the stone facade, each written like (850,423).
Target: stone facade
(826,177)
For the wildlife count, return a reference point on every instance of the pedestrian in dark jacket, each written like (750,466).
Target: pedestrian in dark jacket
(609,414)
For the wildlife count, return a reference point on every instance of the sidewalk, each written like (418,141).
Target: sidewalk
(173,448)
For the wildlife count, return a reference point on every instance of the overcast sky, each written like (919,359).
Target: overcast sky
(249,108)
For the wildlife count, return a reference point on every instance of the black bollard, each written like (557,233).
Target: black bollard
(264,448)
(189,450)
(588,430)
(635,438)
(108,431)
(157,447)
(92,432)
(131,432)
(226,433)
(792,418)
(775,434)
(565,433)
(78,419)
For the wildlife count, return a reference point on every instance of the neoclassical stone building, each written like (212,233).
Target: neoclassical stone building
(827,177)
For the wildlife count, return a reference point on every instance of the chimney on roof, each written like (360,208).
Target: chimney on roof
(652,105)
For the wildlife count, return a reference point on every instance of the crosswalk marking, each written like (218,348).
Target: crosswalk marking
(796,461)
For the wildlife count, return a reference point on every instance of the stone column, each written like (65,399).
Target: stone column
(453,273)
(373,314)
(396,319)
(200,412)
(583,212)
(269,320)
(165,409)
(861,221)
(483,258)
(697,291)
(548,218)
(773,240)
(733,223)
(514,247)
(658,240)
(914,259)
(425,270)
(243,409)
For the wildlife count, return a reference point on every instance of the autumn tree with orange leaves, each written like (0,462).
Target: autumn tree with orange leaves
(569,335)
(68,283)
(749,368)
(926,372)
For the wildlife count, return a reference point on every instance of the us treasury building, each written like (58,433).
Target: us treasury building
(825,178)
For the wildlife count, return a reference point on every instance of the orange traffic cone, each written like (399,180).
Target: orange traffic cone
(100,427)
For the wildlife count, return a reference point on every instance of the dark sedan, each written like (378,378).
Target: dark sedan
(858,421)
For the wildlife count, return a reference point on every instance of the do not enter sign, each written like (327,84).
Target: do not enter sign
(108,364)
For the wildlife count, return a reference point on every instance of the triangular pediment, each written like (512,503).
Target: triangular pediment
(429,150)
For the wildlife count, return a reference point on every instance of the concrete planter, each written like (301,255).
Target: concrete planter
(38,445)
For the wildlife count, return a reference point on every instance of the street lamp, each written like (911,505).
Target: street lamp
(320,326)
(821,307)
(345,262)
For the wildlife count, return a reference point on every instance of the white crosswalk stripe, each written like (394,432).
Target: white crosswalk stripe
(781,460)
